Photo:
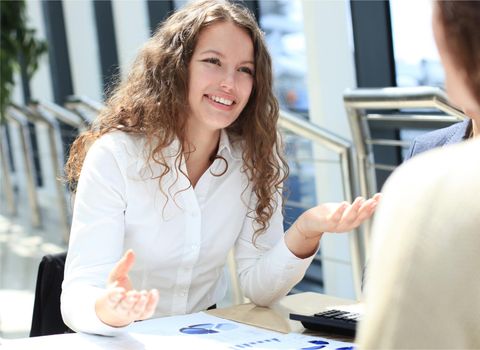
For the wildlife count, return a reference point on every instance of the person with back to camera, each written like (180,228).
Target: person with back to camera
(183,164)
(460,131)
(422,289)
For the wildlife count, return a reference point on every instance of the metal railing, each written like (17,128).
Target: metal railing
(50,115)
(361,105)
(85,106)
(21,121)
(62,114)
(344,149)
(6,179)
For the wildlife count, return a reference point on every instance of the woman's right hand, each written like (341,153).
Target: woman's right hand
(121,304)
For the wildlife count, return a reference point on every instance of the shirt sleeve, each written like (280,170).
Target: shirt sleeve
(267,269)
(411,151)
(96,238)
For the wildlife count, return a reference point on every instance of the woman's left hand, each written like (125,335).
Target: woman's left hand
(335,217)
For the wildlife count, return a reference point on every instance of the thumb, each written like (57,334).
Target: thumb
(122,267)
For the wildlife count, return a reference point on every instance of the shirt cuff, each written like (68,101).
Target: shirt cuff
(83,318)
(282,255)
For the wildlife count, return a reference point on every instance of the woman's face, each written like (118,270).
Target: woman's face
(221,75)
(455,77)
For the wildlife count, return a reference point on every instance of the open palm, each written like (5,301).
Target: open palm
(336,217)
(120,305)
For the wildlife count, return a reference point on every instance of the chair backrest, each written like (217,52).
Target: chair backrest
(47,318)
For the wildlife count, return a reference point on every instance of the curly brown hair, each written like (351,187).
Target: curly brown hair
(460,20)
(151,102)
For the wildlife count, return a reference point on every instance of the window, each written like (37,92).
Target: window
(282,22)
(416,57)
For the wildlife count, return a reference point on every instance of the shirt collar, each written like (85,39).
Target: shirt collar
(225,144)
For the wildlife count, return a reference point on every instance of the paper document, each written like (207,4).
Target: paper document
(198,331)
(204,331)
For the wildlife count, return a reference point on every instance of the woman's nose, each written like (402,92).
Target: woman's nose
(228,81)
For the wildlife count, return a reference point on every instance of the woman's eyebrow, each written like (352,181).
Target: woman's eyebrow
(248,62)
(210,51)
(218,53)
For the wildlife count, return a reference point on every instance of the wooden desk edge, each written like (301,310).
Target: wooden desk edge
(276,317)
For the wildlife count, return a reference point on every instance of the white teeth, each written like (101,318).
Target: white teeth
(221,100)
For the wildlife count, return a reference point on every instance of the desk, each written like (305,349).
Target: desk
(274,318)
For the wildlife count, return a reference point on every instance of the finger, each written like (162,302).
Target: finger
(114,296)
(139,307)
(152,302)
(377,197)
(123,266)
(337,214)
(125,306)
(366,210)
(351,213)
(371,204)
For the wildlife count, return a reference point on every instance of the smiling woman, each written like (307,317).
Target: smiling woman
(221,74)
(157,209)
(220,84)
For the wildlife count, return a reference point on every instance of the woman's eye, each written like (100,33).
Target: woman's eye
(212,60)
(246,70)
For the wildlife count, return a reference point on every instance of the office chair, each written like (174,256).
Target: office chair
(47,318)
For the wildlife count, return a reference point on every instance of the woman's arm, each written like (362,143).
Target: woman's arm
(97,244)
(270,268)
(303,237)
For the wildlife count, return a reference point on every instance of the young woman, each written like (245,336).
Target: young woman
(183,164)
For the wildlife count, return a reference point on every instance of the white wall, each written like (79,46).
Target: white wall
(132,30)
(83,48)
(41,89)
(40,85)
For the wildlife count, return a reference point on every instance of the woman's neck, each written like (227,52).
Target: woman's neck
(201,145)
(200,148)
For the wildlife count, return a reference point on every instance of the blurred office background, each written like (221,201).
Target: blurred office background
(319,49)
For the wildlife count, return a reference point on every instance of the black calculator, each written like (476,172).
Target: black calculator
(332,321)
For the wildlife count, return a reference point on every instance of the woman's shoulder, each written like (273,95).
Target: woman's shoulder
(120,140)
(121,145)
(452,134)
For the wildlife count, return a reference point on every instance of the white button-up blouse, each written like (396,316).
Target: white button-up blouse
(181,235)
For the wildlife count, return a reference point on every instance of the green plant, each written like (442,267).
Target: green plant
(17,41)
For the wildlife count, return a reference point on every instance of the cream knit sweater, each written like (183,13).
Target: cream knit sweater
(423,283)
